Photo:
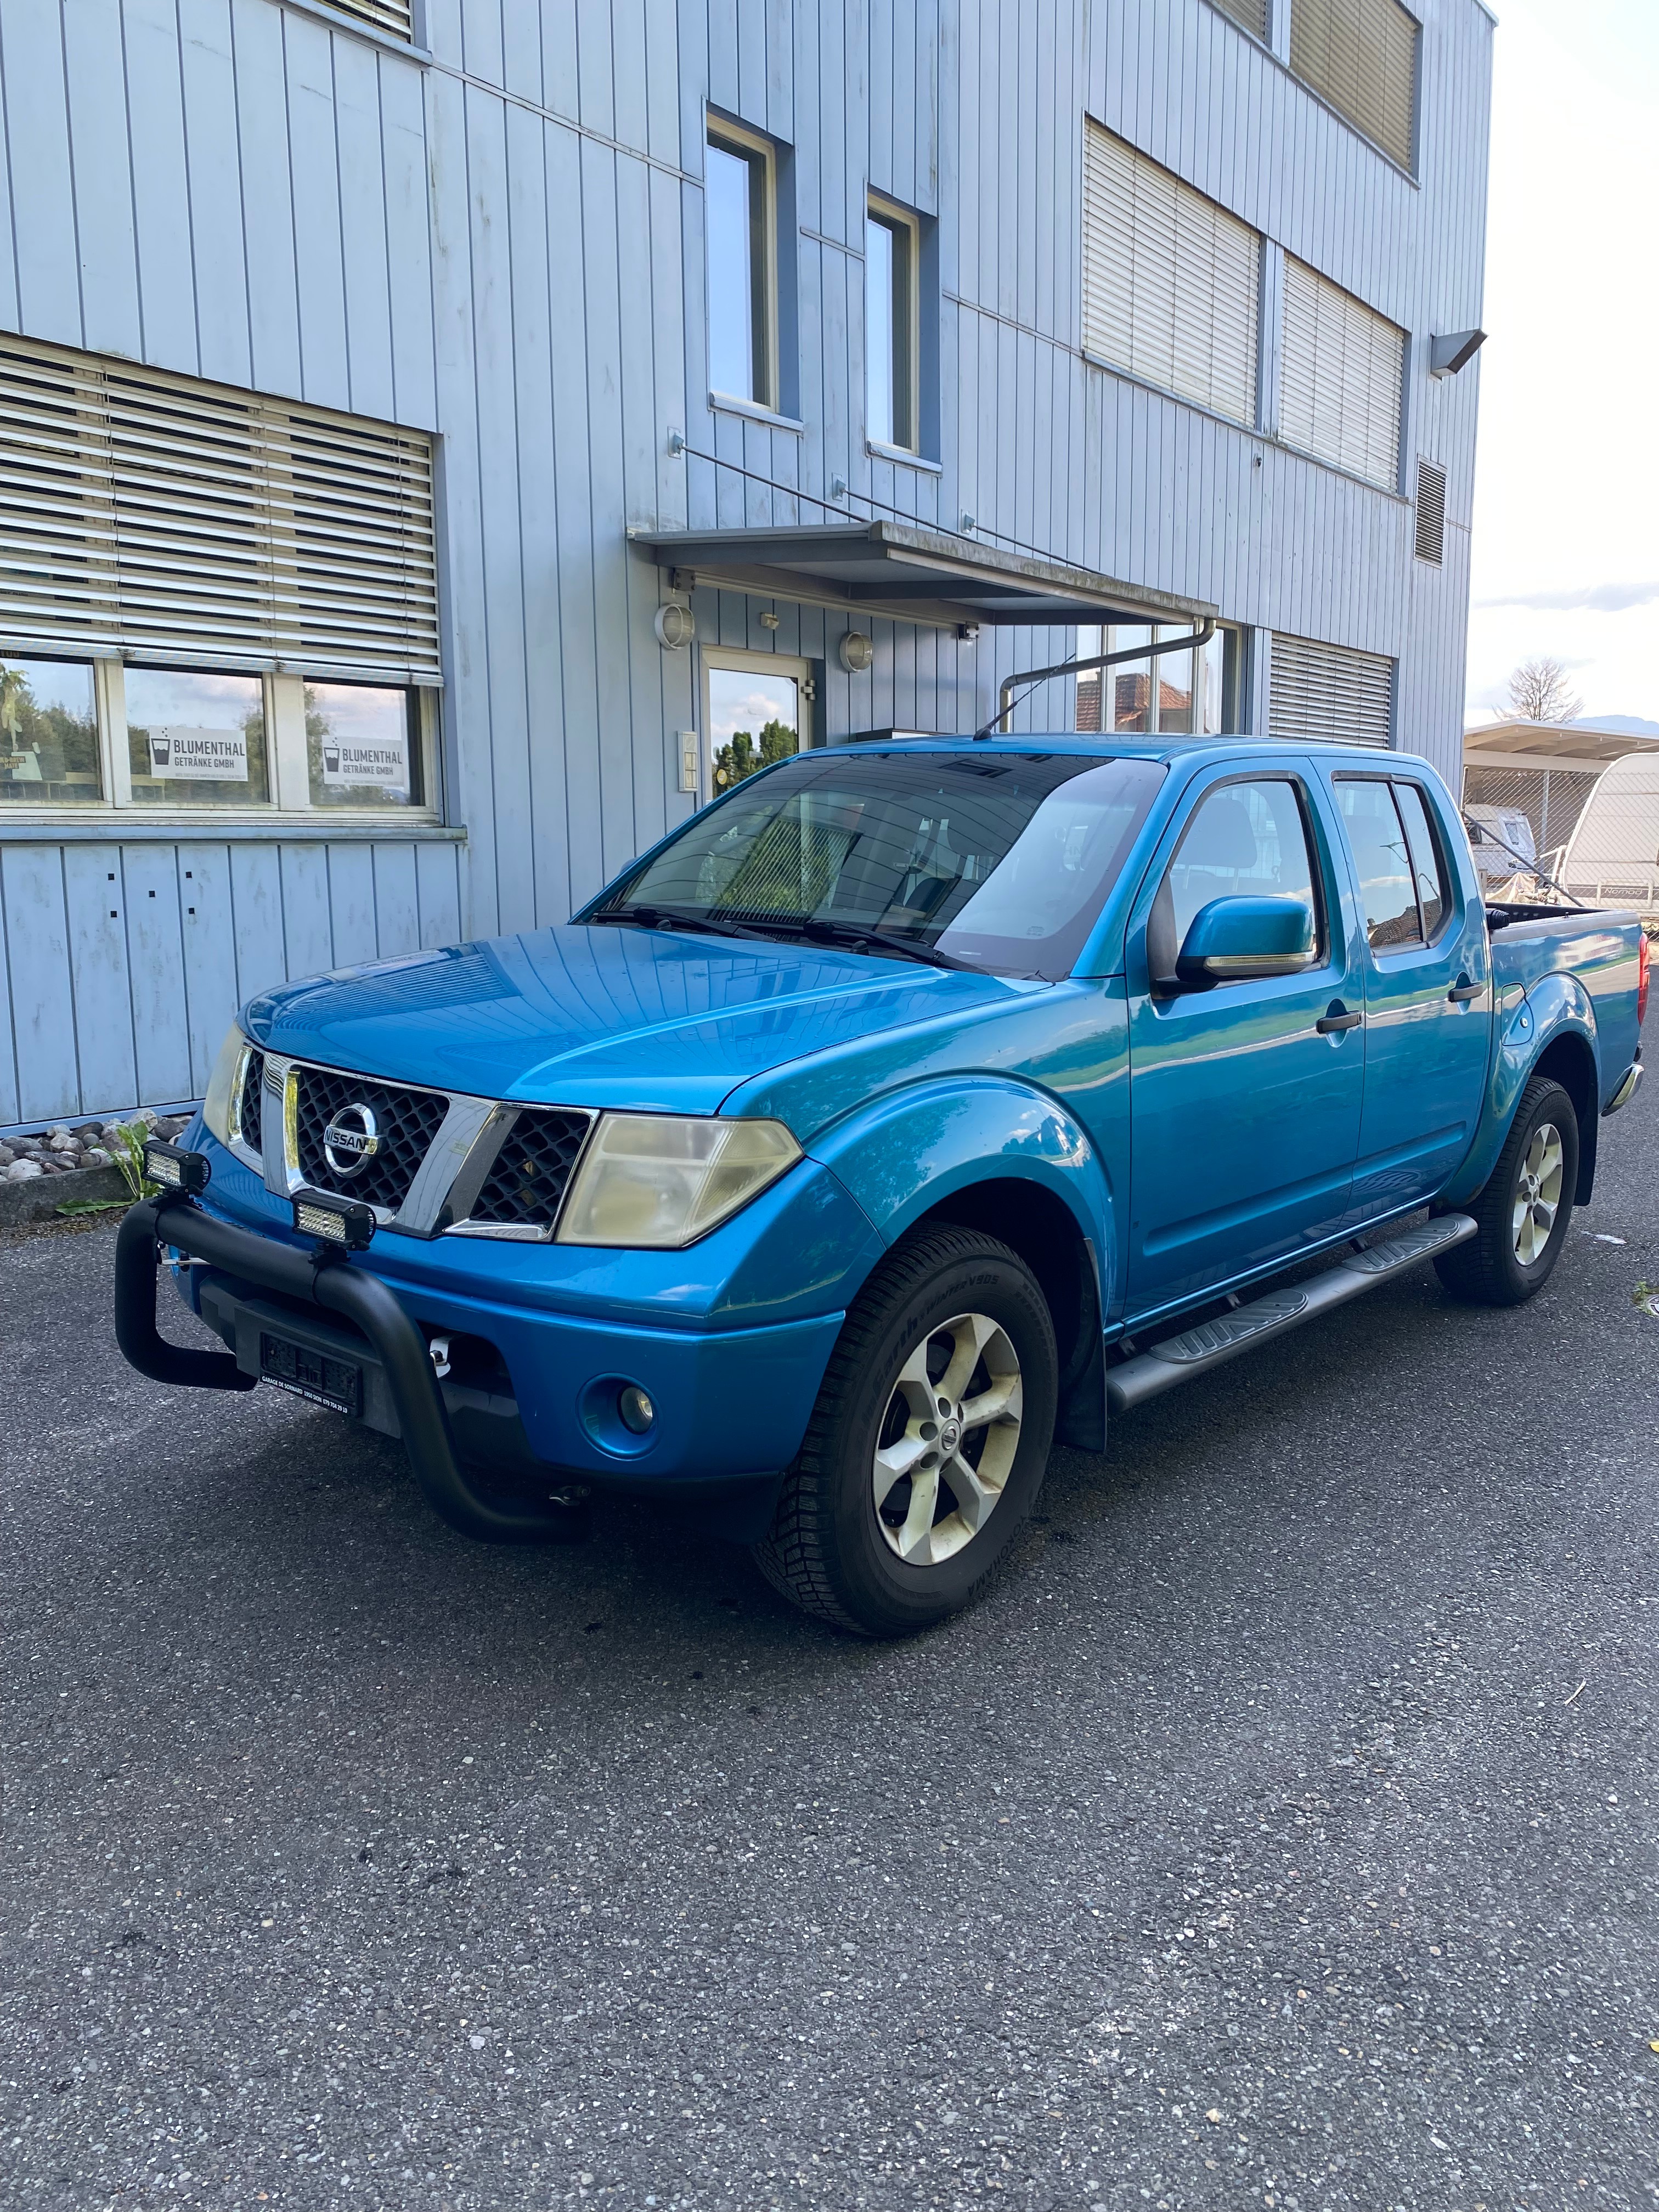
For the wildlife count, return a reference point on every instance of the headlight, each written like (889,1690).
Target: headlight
(662,1180)
(224,1084)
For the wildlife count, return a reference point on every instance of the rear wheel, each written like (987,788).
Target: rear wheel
(1525,1206)
(928,1442)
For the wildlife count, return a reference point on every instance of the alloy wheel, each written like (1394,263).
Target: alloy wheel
(947,1439)
(1538,1194)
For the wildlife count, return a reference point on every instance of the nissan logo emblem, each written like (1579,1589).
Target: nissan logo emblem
(350,1140)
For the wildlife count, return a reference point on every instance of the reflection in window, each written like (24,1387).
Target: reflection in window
(361,745)
(1383,864)
(1246,840)
(48,733)
(890,329)
(196,739)
(754,719)
(1173,695)
(736,219)
(1425,856)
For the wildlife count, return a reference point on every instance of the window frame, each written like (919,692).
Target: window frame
(1449,888)
(905,309)
(760,155)
(1166,985)
(288,772)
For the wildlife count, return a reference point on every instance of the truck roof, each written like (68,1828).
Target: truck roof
(1220,745)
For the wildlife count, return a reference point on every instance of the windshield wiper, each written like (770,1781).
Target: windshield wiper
(665,917)
(879,940)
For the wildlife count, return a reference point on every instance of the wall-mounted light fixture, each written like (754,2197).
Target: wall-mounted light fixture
(856,653)
(1455,350)
(675,625)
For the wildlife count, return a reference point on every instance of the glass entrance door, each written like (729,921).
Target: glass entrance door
(752,714)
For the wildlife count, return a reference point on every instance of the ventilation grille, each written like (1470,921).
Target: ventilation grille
(1431,512)
(1330,694)
(1169,280)
(1340,378)
(387,16)
(174,520)
(1252,14)
(250,1107)
(526,1186)
(1361,56)
(405,1122)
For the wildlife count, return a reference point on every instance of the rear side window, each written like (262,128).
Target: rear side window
(1403,882)
(1426,865)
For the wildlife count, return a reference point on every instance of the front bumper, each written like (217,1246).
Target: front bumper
(733,1405)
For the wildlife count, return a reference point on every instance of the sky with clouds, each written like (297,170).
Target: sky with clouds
(1565,547)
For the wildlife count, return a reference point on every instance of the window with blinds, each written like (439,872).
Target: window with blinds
(395,17)
(171,520)
(1170,281)
(1430,535)
(1340,378)
(1252,14)
(1330,694)
(1361,56)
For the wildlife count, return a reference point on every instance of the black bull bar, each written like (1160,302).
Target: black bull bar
(325,1279)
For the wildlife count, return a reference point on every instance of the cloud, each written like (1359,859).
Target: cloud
(1596,599)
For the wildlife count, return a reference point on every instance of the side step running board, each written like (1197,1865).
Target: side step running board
(1178,1358)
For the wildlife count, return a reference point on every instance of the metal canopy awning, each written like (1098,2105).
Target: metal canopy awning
(911,574)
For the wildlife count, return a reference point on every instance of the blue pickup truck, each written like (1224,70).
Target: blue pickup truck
(908,1110)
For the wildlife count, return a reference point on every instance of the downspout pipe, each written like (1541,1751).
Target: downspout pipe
(1030,678)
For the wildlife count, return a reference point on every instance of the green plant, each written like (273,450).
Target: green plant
(128,1152)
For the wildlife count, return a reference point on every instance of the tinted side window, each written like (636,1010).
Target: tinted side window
(1245,840)
(1380,854)
(1427,864)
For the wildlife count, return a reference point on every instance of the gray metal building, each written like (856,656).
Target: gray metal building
(438,448)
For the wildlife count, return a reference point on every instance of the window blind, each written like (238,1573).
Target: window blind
(1169,279)
(1340,371)
(395,17)
(1430,537)
(1361,56)
(174,520)
(1253,13)
(1330,694)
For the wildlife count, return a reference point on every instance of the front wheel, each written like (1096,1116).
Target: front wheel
(928,1442)
(1524,1208)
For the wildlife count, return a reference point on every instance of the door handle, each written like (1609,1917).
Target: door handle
(1337,1018)
(1461,991)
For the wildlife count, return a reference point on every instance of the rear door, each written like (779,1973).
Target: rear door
(1427,994)
(1245,1115)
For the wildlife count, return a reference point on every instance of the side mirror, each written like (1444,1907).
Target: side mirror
(1232,939)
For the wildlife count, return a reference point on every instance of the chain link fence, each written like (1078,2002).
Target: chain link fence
(1592,832)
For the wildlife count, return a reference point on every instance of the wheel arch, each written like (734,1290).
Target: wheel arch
(1569,1059)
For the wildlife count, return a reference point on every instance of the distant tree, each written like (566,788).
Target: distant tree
(743,757)
(1539,692)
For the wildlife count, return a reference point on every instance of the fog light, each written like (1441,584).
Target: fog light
(637,1411)
(176,1169)
(335,1220)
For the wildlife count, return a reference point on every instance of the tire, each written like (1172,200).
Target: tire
(1520,1237)
(897,1382)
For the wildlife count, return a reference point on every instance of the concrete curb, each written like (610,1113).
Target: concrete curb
(38,1197)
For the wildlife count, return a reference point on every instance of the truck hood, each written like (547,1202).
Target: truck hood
(602,1016)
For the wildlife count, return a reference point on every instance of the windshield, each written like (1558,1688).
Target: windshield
(998,863)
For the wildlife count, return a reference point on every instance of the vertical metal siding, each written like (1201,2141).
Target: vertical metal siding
(506,250)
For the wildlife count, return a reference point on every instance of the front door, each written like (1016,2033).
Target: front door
(1245,1115)
(1428,999)
(752,707)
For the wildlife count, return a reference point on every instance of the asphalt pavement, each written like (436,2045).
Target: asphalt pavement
(1278,1831)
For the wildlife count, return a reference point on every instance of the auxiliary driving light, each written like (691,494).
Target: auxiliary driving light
(176,1168)
(339,1221)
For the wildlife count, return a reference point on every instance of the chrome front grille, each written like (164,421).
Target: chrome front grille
(404,1124)
(440,1161)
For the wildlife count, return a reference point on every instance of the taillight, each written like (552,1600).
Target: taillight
(1644,955)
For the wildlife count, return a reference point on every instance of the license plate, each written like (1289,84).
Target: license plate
(338,1383)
